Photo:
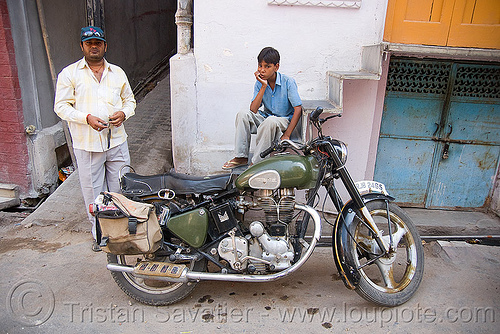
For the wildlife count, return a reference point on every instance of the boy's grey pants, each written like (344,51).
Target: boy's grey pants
(267,129)
(96,169)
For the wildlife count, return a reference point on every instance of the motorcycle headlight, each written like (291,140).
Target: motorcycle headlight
(341,149)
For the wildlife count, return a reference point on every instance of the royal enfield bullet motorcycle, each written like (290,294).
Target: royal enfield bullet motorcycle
(251,227)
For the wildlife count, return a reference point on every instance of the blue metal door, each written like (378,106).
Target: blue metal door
(440,134)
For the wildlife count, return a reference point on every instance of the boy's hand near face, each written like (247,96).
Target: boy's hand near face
(259,78)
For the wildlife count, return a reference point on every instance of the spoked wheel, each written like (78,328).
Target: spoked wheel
(151,291)
(389,280)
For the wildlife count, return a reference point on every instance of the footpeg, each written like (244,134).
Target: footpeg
(163,269)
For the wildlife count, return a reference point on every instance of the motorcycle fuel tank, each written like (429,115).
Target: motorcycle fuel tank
(282,171)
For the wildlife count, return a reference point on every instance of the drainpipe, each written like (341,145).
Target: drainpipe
(30,130)
(95,13)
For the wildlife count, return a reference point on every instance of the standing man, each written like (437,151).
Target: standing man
(95,98)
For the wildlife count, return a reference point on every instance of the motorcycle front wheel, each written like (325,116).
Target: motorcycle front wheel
(388,280)
(151,291)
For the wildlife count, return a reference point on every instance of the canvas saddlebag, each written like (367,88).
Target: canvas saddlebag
(126,227)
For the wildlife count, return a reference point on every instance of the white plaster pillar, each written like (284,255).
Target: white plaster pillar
(184,22)
(183,90)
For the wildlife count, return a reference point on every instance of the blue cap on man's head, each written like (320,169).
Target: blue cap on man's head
(92,33)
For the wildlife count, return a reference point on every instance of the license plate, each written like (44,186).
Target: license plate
(371,187)
(164,269)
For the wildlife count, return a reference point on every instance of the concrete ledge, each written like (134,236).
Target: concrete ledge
(454,223)
(443,51)
(354,75)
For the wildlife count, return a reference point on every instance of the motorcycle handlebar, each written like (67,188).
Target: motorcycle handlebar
(279,145)
(267,151)
(315,114)
(313,117)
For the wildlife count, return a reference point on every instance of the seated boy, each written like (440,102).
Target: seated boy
(282,110)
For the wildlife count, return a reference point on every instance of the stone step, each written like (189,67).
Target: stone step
(9,196)
(371,69)
(328,107)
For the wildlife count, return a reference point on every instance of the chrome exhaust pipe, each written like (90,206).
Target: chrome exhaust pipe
(188,275)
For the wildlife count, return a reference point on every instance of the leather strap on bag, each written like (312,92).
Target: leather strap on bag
(132,225)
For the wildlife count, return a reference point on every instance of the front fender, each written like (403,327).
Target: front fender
(348,272)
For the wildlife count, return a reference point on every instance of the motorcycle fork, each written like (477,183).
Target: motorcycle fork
(365,214)
(360,204)
(377,235)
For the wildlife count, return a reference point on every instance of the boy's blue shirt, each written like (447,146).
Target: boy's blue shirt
(282,100)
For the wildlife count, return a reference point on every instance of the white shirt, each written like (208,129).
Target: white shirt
(79,93)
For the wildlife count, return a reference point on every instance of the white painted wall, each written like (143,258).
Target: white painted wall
(228,35)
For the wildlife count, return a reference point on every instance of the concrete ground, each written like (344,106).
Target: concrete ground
(50,280)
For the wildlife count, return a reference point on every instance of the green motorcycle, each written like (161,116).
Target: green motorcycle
(251,228)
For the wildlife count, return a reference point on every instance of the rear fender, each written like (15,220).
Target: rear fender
(348,272)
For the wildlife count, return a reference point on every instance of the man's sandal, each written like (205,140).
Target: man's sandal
(233,164)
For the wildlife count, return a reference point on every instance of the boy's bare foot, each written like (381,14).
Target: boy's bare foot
(235,162)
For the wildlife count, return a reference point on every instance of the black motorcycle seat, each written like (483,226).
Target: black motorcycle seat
(140,185)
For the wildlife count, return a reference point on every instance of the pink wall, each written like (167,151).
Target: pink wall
(360,124)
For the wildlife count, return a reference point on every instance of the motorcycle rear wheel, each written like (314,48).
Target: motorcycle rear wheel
(393,280)
(150,291)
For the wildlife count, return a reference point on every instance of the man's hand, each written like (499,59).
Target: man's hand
(117,118)
(96,123)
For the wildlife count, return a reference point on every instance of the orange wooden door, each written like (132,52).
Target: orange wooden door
(475,24)
(460,23)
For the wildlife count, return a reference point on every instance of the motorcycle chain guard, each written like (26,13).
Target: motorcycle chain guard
(348,271)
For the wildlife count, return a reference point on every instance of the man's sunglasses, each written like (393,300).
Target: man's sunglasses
(93,34)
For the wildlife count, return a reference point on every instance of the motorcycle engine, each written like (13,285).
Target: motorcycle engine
(267,247)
